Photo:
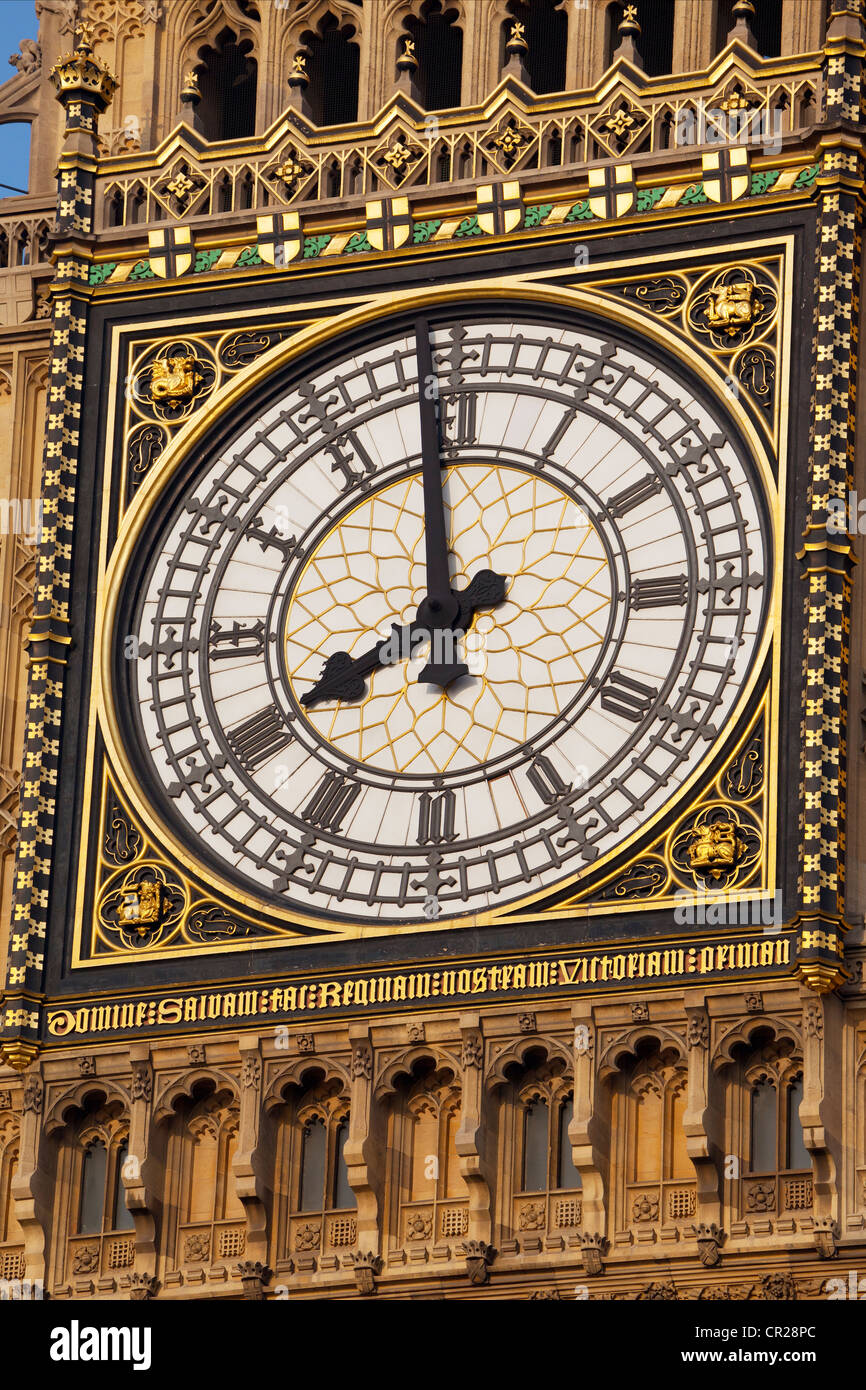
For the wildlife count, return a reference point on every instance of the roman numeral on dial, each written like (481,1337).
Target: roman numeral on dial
(327,807)
(259,737)
(627,697)
(237,640)
(544,778)
(460,426)
(436,818)
(633,496)
(659,593)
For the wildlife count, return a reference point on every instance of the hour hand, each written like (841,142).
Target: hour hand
(486,590)
(345,677)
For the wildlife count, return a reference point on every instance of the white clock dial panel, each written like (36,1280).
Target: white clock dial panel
(630,530)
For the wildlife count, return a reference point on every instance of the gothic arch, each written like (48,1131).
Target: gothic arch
(184,1087)
(190,25)
(741,1034)
(404,1064)
(74,1101)
(516,1053)
(309,16)
(298,1073)
(626,1045)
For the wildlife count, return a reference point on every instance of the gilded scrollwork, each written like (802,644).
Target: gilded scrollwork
(237,350)
(144,446)
(664,294)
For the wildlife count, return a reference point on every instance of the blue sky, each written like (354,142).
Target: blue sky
(17,21)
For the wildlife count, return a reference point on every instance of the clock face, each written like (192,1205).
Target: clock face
(283,715)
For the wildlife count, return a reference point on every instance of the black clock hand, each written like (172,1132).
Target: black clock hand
(440,607)
(345,677)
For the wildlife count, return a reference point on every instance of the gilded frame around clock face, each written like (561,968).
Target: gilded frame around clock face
(517,298)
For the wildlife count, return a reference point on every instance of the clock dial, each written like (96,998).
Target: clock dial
(412,652)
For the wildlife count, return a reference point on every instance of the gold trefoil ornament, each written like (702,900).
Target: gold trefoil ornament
(173,378)
(731,307)
(715,848)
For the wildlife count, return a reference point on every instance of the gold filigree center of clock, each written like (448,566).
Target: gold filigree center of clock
(527,658)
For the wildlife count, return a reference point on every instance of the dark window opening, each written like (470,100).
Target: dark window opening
(656,40)
(122,1216)
(312,1195)
(227,80)
(439,52)
(535,1147)
(567,1175)
(654,43)
(762,1149)
(333,67)
(797,1155)
(546,35)
(343,1194)
(93,1189)
(766,24)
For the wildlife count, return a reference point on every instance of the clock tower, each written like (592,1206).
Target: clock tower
(434,872)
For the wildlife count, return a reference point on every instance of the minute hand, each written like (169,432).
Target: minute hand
(440,606)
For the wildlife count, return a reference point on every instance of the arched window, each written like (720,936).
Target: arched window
(797,1155)
(536,1108)
(651,1178)
(430,1201)
(314,1210)
(343,1194)
(90,1212)
(764,1088)
(567,1176)
(205,1221)
(439,53)
(11,1234)
(333,67)
(546,34)
(227,76)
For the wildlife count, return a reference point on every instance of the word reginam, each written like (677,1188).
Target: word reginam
(323,995)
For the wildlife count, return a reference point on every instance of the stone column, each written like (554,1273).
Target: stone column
(821,1107)
(700,1120)
(31,1189)
(694,36)
(585,1131)
(141,1174)
(470,1136)
(364,1157)
(249,1182)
